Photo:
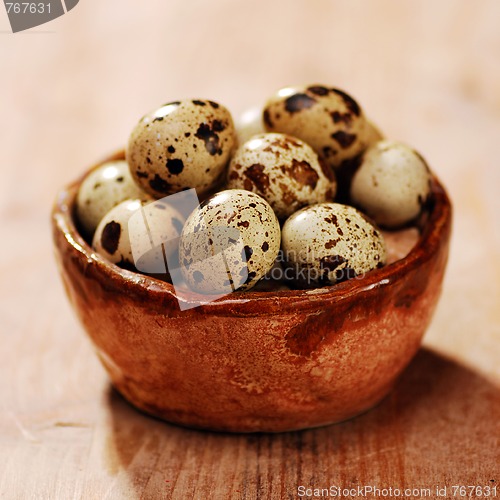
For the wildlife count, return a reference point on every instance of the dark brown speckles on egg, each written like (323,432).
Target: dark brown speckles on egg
(110,237)
(331,243)
(267,119)
(304,174)
(159,184)
(218,126)
(250,277)
(299,102)
(175,166)
(327,171)
(197,102)
(331,262)
(328,151)
(256,174)
(210,138)
(338,117)
(331,219)
(318,90)
(343,138)
(350,103)
(234,174)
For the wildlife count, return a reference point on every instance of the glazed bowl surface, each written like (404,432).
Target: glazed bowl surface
(255,361)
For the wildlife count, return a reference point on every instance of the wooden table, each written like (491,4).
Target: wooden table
(427,72)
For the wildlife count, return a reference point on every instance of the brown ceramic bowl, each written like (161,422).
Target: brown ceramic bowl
(255,361)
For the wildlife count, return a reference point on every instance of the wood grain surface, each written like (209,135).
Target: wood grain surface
(426,72)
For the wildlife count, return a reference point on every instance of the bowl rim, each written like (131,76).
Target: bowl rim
(430,238)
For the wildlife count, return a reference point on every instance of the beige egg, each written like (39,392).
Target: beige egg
(250,123)
(328,119)
(139,234)
(330,243)
(183,144)
(229,242)
(282,169)
(392,184)
(372,136)
(102,189)
(345,172)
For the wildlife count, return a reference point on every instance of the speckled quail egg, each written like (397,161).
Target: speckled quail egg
(250,123)
(392,184)
(372,136)
(329,243)
(183,144)
(105,187)
(345,172)
(136,233)
(282,169)
(328,119)
(229,242)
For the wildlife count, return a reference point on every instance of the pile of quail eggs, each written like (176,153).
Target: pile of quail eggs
(269,189)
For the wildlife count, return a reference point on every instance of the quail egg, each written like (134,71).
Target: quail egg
(328,119)
(329,243)
(136,234)
(229,242)
(345,172)
(392,184)
(250,123)
(282,169)
(372,136)
(183,144)
(105,187)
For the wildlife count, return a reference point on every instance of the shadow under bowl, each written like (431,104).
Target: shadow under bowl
(255,361)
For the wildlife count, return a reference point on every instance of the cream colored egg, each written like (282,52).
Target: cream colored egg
(392,184)
(102,189)
(229,242)
(250,123)
(330,243)
(183,144)
(139,234)
(328,119)
(282,169)
(373,135)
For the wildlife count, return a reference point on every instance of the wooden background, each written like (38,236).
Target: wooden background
(427,72)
